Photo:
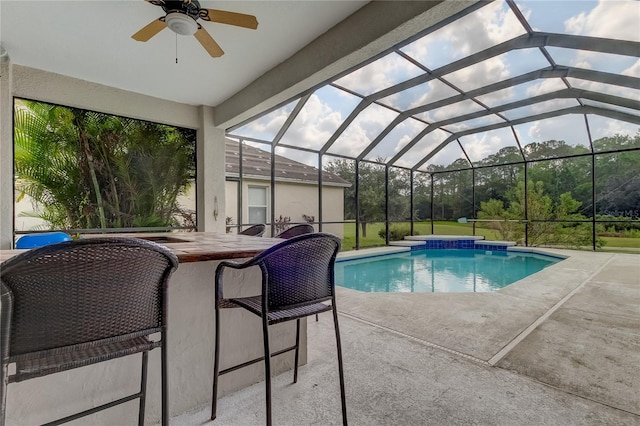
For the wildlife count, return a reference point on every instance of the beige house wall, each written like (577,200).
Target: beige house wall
(292,200)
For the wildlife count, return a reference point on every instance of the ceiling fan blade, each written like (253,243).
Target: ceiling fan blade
(150,30)
(209,43)
(229,18)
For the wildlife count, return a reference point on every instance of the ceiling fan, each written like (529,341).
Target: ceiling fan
(181,16)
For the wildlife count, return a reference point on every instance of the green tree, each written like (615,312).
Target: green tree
(452,190)
(85,169)
(539,207)
(371,191)
(617,178)
(501,220)
(421,196)
(545,218)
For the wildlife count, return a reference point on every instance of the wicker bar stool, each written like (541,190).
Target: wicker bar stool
(77,303)
(297,281)
(296,230)
(254,231)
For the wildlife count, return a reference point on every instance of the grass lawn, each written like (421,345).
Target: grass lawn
(420,228)
(450,228)
(621,242)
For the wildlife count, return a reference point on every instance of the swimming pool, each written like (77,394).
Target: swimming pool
(431,271)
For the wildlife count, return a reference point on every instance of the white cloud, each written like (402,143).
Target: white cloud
(314,125)
(268,126)
(401,135)
(633,70)
(480,145)
(552,105)
(546,85)
(487,26)
(383,73)
(568,128)
(363,130)
(422,148)
(453,110)
(609,19)
(601,127)
(436,90)
(480,74)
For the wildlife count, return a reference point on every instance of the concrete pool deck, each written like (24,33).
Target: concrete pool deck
(560,347)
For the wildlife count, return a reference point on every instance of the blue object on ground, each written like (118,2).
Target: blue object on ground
(40,239)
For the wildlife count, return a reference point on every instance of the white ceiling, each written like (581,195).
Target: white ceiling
(91,40)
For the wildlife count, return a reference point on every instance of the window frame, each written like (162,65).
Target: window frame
(255,206)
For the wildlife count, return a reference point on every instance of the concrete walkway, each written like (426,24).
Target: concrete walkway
(558,348)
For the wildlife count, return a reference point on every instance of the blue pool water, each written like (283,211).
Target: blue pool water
(439,271)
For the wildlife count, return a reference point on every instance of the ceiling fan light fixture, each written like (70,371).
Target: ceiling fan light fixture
(181,24)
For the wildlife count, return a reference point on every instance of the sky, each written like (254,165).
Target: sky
(437,52)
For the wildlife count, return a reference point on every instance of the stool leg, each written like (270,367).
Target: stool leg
(143,388)
(340,369)
(216,365)
(295,365)
(165,381)
(267,366)
(3,392)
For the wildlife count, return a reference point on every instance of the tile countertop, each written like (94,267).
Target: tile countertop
(193,246)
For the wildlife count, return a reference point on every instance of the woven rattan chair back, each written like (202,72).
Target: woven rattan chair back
(297,281)
(299,272)
(254,231)
(296,230)
(67,299)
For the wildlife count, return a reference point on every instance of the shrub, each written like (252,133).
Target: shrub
(396,232)
(282,223)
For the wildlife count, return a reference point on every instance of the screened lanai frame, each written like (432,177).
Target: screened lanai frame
(585,93)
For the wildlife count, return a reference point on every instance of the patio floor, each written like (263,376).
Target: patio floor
(558,348)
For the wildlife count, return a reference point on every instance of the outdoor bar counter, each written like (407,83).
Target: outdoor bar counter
(190,343)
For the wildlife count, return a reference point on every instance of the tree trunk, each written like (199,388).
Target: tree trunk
(364,229)
(94,179)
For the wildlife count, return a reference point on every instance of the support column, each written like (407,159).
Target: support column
(210,202)
(6,154)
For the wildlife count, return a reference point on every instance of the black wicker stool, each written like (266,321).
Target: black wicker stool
(78,303)
(254,231)
(297,281)
(296,230)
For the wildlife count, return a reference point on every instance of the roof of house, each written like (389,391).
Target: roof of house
(256,163)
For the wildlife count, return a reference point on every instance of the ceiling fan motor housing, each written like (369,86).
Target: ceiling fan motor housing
(181,16)
(189,8)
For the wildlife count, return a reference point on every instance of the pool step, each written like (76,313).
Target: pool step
(443,237)
(418,242)
(494,245)
(406,243)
